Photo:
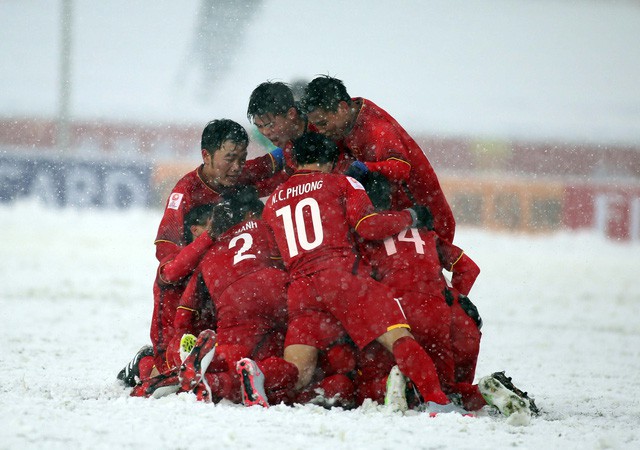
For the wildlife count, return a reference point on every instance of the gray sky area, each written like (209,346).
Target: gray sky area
(542,69)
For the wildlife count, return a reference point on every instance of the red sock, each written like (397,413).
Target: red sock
(223,385)
(337,388)
(340,358)
(278,373)
(472,399)
(145,366)
(373,389)
(414,363)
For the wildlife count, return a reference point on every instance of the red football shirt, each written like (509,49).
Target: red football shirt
(240,251)
(378,139)
(313,216)
(192,191)
(413,259)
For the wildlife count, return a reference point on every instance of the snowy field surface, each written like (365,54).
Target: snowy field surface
(561,314)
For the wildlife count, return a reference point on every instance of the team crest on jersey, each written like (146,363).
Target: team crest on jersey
(355,183)
(174,200)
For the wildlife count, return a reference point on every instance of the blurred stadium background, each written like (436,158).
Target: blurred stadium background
(529,110)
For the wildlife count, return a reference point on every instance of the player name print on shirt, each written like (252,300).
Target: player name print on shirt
(174,200)
(294,191)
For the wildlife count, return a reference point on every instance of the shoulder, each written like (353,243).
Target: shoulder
(187,182)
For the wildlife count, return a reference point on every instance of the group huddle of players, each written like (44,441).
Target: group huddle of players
(330,292)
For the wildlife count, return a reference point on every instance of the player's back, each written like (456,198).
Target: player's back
(377,136)
(408,260)
(240,251)
(310,221)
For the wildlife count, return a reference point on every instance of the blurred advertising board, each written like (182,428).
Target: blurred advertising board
(59,181)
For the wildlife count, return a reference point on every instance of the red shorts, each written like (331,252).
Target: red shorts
(331,302)
(252,313)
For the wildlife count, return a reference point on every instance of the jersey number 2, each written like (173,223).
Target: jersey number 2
(247,242)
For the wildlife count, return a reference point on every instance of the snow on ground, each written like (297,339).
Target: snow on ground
(561,315)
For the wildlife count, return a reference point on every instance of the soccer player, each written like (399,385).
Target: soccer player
(313,215)
(143,365)
(248,289)
(442,318)
(273,110)
(379,144)
(224,152)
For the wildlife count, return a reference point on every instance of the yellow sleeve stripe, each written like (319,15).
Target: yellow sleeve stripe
(164,240)
(399,325)
(273,162)
(365,217)
(401,160)
(188,309)
(454,263)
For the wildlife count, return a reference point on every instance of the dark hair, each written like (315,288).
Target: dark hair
(313,147)
(325,93)
(234,207)
(196,216)
(218,131)
(378,189)
(270,98)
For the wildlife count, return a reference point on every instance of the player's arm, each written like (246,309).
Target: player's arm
(371,224)
(394,169)
(170,237)
(262,167)
(187,309)
(464,270)
(185,260)
(385,154)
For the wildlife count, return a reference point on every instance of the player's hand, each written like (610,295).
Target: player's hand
(357,170)
(423,216)
(278,156)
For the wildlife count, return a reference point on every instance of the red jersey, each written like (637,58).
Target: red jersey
(238,253)
(378,140)
(413,260)
(247,288)
(313,216)
(243,249)
(192,191)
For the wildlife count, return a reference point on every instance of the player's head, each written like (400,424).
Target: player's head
(224,151)
(196,221)
(327,105)
(314,148)
(378,189)
(272,109)
(236,206)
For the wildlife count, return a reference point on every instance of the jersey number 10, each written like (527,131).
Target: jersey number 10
(295,227)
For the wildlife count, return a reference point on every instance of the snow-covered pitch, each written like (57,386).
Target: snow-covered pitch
(561,315)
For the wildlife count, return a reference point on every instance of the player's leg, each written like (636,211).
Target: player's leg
(414,362)
(465,338)
(305,358)
(430,320)
(336,390)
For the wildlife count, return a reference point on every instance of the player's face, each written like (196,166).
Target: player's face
(276,128)
(333,124)
(197,230)
(226,163)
